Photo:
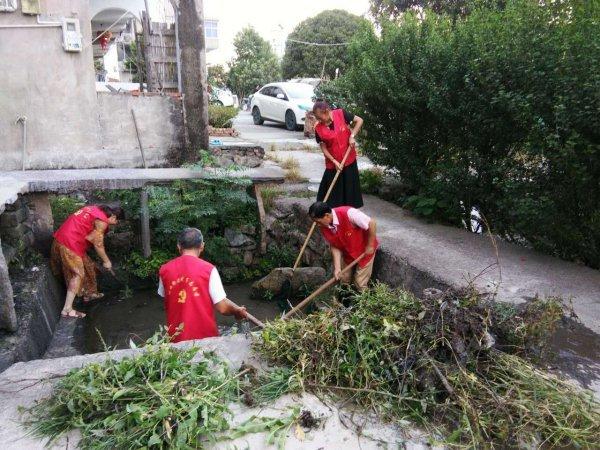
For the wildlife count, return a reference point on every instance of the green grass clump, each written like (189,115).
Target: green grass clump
(161,398)
(433,361)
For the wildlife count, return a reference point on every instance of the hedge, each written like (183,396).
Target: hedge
(221,116)
(498,111)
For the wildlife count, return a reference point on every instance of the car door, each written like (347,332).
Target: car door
(280,104)
(266,102)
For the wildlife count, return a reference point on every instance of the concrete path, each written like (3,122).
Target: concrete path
(270,134)
(24,383)
(454,256)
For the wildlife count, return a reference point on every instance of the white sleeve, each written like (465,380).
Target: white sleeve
(215,287)
(161,288)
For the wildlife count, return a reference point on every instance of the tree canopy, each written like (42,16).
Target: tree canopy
(217,76)
(385,9)
(331,27)
(254,63)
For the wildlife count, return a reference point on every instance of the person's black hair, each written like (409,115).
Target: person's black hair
(318,210)
(321,106)
(190,238)
(112,210)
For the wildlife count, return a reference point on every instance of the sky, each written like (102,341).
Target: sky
(273,19)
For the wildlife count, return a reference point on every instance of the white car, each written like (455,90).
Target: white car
(286,103)
(223,97)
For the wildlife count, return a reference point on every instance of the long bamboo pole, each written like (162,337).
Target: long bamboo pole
(320,290)
(313,226)
(253,319)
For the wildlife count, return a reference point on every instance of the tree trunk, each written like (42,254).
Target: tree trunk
(190,16)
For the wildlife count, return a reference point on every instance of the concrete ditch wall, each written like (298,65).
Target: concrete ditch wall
(39,298)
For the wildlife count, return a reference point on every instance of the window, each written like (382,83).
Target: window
(278,91)
(267,91)
(8,5)
(211,28)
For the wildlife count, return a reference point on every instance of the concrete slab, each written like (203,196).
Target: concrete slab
(10,189)
(25,383)
(64,181)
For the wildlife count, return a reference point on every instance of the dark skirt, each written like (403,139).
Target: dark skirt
(347,187)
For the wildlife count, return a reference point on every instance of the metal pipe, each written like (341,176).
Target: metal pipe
(177,49)
(23,120)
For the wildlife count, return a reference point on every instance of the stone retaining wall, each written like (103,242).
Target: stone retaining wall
(288,223)
(15,229)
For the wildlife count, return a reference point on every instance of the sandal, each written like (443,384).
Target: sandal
(92,297)
(72,314)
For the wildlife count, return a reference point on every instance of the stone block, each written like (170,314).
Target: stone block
(17,204)
(248,258)
(9,252)
(235,238)
(12,218)
(15,233)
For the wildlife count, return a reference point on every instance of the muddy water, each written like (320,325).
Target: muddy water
(139,316)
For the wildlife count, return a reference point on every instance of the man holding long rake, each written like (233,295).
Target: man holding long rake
(352,236)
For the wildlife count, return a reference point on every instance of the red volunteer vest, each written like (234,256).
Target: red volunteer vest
(337,139)
(349,238)
(187,298)
(72,234)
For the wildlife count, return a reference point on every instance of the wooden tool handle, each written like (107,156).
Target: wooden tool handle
(320,290)
(251,318)
(313,226)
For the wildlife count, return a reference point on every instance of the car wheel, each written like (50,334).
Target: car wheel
(219,103)
(290,120)
(256,117)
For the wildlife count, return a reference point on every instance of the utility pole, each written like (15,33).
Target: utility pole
(190,21)
(147,30)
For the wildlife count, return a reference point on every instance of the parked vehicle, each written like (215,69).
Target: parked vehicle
(314,82)
(223,97)
(285,103)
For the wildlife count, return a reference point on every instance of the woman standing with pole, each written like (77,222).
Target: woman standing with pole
(335,132)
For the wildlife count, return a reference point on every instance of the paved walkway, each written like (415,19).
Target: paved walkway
(453,256)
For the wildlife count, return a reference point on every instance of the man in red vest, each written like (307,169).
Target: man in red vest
(350,233)
(192,288)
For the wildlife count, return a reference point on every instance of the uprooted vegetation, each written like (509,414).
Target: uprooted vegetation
(437,363)
(164,397)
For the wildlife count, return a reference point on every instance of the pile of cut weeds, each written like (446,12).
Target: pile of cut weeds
(436,362)
(163,397)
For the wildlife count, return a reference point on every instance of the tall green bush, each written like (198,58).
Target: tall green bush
(498,111)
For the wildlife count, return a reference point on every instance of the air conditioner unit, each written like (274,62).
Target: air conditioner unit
(8,5)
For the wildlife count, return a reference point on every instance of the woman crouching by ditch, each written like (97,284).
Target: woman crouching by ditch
(335,132)
(82,229)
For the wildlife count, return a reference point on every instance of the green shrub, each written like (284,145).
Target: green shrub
(62,207)
(221,116)
(371,180)
(497,111)
(144,268)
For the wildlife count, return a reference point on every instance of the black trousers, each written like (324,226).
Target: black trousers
(347,187)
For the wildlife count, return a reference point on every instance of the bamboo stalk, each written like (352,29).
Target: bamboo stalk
(312,228)
(320,290)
